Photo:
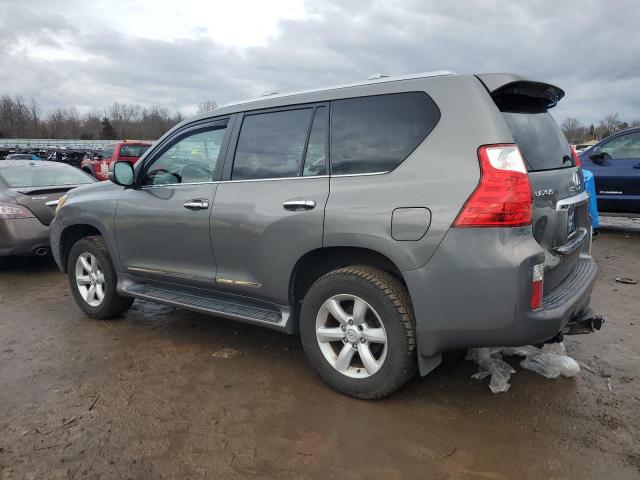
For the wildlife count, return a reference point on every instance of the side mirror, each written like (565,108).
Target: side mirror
(596,154)
(121,173)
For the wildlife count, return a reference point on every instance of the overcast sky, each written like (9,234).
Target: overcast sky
(89,54)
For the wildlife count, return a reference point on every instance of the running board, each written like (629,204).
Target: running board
(211,304)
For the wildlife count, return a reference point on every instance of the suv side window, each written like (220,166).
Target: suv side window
(626,146)
(107,152)
(191,159)
(315,160)
(271,145)
(376,134)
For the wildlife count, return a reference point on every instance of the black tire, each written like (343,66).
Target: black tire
(112,304)
(390,299)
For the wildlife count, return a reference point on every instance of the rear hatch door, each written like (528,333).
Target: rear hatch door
(561,222)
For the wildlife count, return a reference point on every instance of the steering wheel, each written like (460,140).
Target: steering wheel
(200,172)
(163,171)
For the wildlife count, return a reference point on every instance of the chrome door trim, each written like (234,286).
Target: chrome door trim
(275,179)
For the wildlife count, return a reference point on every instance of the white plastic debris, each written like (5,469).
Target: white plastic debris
(551,365)
(490,362)
(550,361)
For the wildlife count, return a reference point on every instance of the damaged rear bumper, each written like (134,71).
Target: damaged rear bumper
(483,301)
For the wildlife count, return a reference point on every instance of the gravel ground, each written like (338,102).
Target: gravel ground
(166,393)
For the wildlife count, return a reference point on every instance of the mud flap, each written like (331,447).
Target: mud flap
(427,364)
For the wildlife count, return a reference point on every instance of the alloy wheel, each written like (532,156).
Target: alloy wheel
(351,336)
(90,279)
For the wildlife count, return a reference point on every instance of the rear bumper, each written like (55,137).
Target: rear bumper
(22,236)
(475,292)
(55,232)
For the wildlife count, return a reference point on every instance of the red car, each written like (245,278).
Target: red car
(128,151)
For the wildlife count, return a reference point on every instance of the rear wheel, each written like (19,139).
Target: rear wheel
(358,331)
(93,279)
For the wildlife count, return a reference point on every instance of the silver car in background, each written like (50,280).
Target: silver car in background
(29,192)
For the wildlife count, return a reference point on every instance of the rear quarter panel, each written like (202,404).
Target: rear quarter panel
(439,175)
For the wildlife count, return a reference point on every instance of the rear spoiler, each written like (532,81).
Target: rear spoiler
(45,189)
(511,92)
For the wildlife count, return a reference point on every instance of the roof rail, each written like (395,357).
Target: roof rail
(379,78)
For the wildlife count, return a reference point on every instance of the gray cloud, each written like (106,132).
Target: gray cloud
(589,48)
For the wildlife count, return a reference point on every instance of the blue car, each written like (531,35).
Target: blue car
(22,156)
(615,163)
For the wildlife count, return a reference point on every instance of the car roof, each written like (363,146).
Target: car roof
(619,133)
(33,163)
(308,95)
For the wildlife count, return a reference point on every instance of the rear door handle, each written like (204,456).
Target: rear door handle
(197,204)
(299,204)
(637,165)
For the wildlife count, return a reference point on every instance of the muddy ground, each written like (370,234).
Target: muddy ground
(166,393)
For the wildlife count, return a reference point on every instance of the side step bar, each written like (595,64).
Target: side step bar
(229,307)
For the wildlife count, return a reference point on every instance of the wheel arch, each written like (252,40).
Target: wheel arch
(70,235)
(316,263)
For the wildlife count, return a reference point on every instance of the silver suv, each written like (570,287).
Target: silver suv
(384,222)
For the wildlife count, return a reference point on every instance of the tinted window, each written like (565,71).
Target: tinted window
(541,142)
(133,150)
(625,146)
(315,162)
(43,176)
(271,145)
(375,134)
(192,159)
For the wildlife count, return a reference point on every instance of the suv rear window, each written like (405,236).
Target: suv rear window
(540,140)
(376,134)
(271,145)
(133,150)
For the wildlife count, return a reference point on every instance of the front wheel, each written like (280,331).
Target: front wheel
(358,331)
(93,279)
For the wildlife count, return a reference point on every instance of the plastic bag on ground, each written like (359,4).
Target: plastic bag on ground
(551,365)
(549,361)
(491,364)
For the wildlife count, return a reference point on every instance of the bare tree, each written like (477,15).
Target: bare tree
(573,130)
(609,125)
(207,106)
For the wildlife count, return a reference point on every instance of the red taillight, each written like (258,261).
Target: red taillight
(11,210)
(503,196)
(576,157)
(537,283)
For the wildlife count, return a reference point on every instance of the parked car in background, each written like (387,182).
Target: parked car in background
(615,163)
(22,156)
(447,212)
(129,151)
(581,147)
(29,193)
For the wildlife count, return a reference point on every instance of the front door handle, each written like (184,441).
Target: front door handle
(197,204)
(299,204)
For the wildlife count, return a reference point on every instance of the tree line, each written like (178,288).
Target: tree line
(20,118)
(577,132)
